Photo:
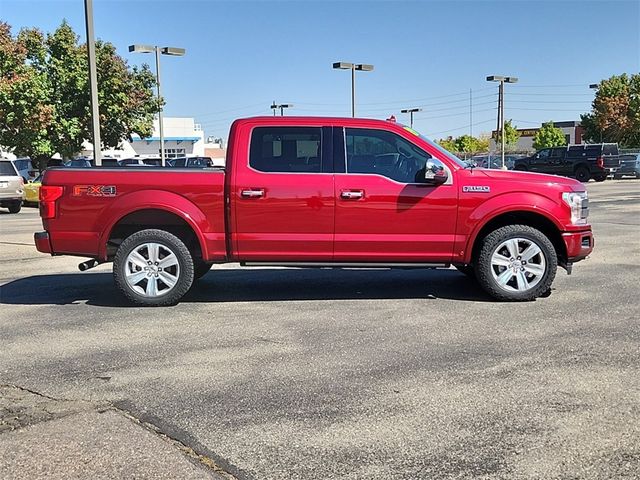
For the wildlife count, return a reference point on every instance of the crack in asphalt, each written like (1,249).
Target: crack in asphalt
(18,411)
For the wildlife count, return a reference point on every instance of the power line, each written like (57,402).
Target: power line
(431,134)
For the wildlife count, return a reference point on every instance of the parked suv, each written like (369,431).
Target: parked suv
(583,162)
(629,166)
(11,187)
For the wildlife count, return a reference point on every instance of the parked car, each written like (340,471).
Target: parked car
(629,166)
(495,161)
(133,162)
(25,168)
(584,161)
(316,192)
(88,162)
(190,162)
(32,191)
(11,187)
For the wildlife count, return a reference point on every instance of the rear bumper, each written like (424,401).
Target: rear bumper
(579,245)
(42,241)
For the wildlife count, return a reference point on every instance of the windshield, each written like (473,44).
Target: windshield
(446,153)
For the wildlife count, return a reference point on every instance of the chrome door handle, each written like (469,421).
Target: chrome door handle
(352,194)
(251,193)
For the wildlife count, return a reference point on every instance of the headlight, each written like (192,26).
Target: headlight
(579,204)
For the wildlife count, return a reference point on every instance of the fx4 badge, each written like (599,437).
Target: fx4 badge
(476,188)
(94,190)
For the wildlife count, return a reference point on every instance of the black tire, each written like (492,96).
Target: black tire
(15,207)
(600,178)
(200,269)
(169,242)
(617,177)
(468,270)
(484,269)
(582,174)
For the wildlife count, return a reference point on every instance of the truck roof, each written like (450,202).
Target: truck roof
(328,121)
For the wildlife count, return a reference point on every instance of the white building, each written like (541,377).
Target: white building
(182,137)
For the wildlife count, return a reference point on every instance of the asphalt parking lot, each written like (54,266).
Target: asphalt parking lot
(321,374)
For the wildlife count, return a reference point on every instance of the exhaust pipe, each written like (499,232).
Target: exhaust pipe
(84,266)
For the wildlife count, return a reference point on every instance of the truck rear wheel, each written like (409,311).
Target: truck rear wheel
(582,174)
(153,268)
(516,263)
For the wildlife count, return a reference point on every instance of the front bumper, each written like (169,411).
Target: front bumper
(579,245)
(42,241)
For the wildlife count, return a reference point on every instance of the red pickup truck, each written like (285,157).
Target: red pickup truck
(317,192)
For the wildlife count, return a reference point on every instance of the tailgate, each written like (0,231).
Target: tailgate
(611,161)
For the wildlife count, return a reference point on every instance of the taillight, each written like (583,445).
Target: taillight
(48,195)
(600,162)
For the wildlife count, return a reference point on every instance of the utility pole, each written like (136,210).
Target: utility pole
(93,83)
(281,106)
(470,113)
(502,80)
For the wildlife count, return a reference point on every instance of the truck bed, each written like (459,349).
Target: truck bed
(96,200)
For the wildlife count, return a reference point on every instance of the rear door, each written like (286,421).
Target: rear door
(283,195)
(383,214)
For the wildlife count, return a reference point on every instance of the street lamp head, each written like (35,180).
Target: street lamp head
(410,110)
(286,105)
(176,52)
(364,67)
(593,86)
(343,65)
(511,80)
(141,48)
(496,78)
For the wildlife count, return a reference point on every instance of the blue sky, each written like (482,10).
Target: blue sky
(243,55)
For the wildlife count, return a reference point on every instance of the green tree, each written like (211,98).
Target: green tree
(548,136)
(615,112)
(44,94)
(448,144)
(511,135)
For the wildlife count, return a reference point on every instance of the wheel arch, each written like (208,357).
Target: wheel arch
(160,217)
(536,219)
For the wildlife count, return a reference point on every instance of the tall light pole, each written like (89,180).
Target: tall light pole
(173,51)
(502,80)
(93,83)
(353,67)
(410,111)
(281,106)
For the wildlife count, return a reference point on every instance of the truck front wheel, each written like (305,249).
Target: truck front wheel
(516,263)
(153,268)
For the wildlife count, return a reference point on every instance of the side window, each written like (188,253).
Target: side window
(384,153)
(286,149)
(558,152)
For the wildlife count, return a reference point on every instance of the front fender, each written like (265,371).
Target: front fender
(154,200)
(506,203)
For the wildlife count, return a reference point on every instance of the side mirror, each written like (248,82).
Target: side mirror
(434,174)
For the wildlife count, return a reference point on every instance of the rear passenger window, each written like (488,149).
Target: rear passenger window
(286,149)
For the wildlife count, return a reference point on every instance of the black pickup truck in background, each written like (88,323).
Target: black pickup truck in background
(586,161)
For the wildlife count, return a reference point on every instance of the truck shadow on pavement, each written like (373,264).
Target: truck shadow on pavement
(255,285)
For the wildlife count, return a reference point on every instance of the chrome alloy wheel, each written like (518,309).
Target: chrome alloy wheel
(518,265)
(152,270)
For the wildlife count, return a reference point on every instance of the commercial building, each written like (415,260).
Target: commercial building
(573,133)
(182,137)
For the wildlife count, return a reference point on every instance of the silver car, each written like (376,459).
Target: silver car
(11,187)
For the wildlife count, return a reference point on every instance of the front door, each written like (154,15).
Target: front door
(284,196)
(383,213)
